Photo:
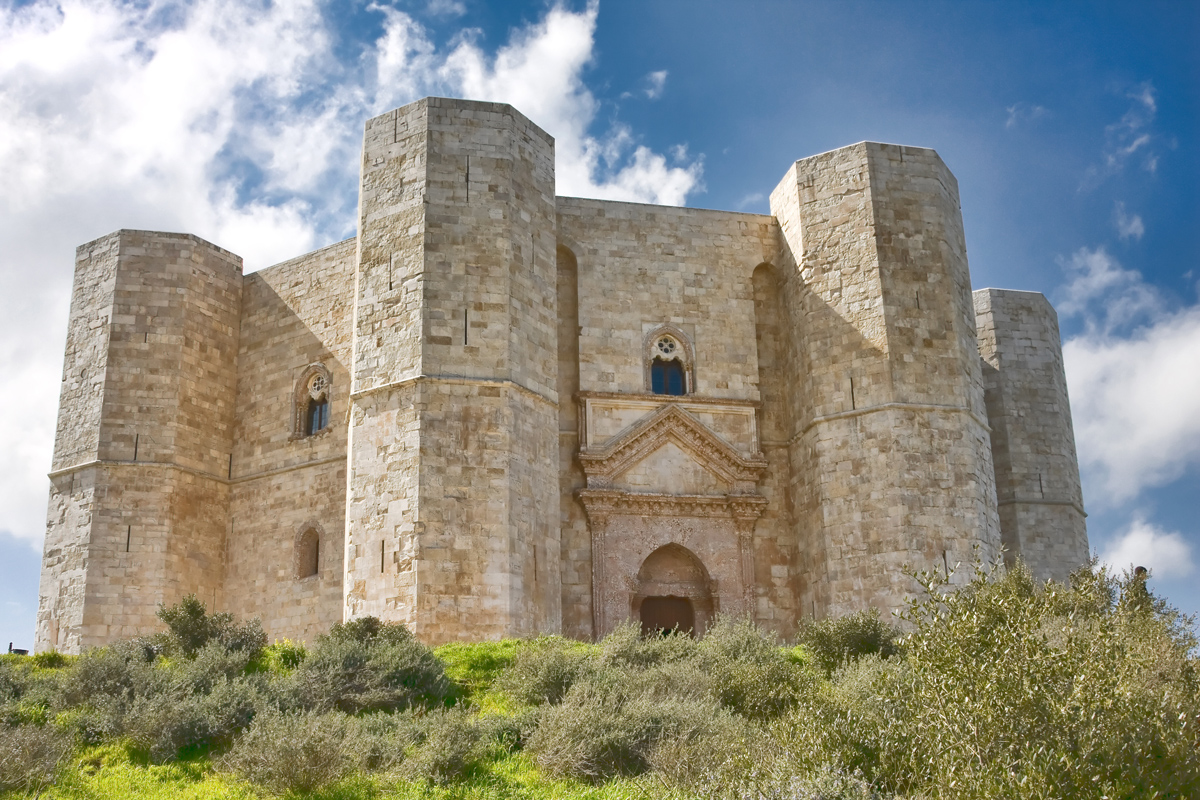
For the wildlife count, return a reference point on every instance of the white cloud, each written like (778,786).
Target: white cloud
(1019,113)
(1128,137)
(1129,226)
(1165,553)
(655,83)
(234,121)
(446,8)
(1134,386)
(1109,297)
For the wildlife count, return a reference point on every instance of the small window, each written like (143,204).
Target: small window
(668,362)
(666,377)
(317,418)
(313,401)
(308,554)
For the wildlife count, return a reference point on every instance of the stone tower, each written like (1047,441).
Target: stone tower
(1033,442)
(887,406)
(139,498)
(452,511)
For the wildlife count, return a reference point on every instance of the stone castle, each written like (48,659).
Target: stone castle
(500,412)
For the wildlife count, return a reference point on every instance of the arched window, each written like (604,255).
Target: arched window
(308,554)
(668,362)
(313,401)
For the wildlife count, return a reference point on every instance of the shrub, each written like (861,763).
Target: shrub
(282,657)
(608,726)
(836,640)
(177,723)
(626,647)
(749,673)
(364,667)
(544,671)
(50,659)
(192,627)
(1019,690)
(110,677)
(31,756)
(293,752)
(449,744)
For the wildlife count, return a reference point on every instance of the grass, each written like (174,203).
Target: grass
(113,771)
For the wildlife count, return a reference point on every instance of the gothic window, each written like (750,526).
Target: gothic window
(312,402)
(308,554)
(668,362)
(666,377)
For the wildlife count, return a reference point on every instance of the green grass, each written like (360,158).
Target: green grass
(111,772)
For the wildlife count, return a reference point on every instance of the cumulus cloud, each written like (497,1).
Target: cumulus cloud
(1165,553)
(1134,386)
(655,83)
(239,122)
(1129,226)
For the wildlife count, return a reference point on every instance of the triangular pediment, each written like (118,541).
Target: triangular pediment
(670,469)
(686,434)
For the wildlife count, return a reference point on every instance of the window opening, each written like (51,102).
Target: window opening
(313,402)
(308,554)
(666,377)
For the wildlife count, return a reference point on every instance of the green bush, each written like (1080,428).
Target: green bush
(31,756)
(1019,690)
(543,671)
(180,723)
(450,743)
(192,627)
(749,672)
(609,724)
(282,657)
(625,647)
(368,666)
(109,678)
(296,752)
(50,659)
(834,641)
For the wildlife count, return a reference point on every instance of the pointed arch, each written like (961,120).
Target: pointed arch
(669,361)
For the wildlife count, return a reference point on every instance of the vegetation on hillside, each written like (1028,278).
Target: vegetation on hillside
(1004,688)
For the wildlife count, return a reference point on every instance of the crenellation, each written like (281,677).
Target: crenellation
(498,412)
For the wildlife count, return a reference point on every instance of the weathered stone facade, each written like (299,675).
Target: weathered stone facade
(452,420)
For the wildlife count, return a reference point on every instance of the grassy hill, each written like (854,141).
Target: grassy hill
(1002,689)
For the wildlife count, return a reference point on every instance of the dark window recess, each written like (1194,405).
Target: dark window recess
(666,377)
(308,561)
(317,418)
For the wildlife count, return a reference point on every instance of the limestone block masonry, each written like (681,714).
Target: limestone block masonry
(499,412)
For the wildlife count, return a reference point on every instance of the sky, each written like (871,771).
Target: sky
(1072,129)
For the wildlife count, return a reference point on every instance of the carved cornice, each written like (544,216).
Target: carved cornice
(670,423)
(600,504)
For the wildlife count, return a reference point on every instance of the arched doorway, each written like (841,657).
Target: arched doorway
(674,592)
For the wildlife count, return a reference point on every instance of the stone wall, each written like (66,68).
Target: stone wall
(1033,443)
(294,315)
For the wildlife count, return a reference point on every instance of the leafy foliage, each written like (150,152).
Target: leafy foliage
(366,665)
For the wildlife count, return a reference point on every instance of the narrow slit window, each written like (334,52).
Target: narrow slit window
(308,554)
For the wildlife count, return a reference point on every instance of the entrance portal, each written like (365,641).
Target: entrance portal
(674,592)
(666,614)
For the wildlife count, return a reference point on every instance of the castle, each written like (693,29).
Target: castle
(500,412)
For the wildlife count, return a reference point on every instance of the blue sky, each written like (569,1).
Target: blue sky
(1072,129)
